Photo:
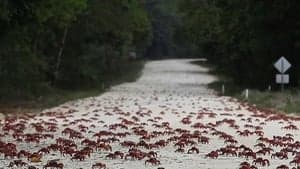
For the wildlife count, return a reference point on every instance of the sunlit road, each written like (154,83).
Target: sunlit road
(168,118)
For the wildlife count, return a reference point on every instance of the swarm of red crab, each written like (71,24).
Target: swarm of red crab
(82,138)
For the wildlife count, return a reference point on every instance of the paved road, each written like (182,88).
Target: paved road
(169,108)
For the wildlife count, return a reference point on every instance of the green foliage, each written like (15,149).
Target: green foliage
(60,12)
(166,29)
(109,30)
(244,38)
(66,43)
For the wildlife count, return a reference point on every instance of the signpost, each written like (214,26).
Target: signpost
(282,65)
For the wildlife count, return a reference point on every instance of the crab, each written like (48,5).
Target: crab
(213,154)
(99,166)
(153,161)
(54,164)
(261,161)
(282,167)
(192,150)
(179,150)
(35,158)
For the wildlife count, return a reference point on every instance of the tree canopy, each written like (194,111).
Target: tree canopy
(244,38)
(67,43)
(75,43)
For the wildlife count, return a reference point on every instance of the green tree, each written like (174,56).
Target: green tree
(67,43)
(102,38)
(244,38)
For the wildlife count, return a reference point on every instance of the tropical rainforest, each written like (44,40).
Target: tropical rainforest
(244,38)
(70,44)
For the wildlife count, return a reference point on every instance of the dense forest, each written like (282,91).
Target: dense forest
(243,38)
(167,26)
(67,43)
(70,44)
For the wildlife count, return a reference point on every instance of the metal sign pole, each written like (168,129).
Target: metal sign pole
(282,84)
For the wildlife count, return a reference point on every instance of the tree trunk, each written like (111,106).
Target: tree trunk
(59,56)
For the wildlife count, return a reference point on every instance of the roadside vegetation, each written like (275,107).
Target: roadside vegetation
(65,49)
(129,71)
(58,50)
(242,40)
(287,101)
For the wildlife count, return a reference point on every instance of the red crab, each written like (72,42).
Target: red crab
(192,150)
(18,163)
(213,154)
(261,161)
(153,161)
(54,164)
(282,167)
(99,166)
(179,150)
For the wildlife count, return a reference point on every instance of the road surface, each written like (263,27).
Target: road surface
(168,109)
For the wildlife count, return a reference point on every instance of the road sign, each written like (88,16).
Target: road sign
(282,79)
(282,65)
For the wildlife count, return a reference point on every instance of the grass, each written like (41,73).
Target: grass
(128,72)
(287,101)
